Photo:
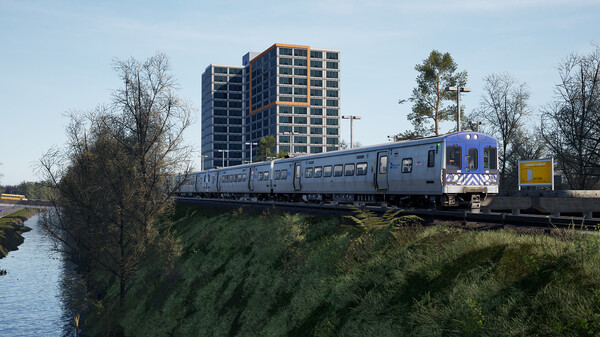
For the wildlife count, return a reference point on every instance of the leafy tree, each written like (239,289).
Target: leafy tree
(429,97)
(570,124)
(504,107)
(113,179)
(265,149)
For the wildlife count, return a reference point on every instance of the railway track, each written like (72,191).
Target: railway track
(545,222)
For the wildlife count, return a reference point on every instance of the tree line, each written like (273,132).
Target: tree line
(566,128)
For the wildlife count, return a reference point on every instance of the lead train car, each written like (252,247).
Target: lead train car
(450,170)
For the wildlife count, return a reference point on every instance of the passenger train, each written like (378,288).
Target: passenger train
(457,169)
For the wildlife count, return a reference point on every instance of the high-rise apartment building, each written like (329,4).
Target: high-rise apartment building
(290,92)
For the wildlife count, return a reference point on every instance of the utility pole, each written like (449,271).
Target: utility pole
(291,134)
(202,162)
(458,91)
(223,158)
(478,123)
(251,143)
(351,118)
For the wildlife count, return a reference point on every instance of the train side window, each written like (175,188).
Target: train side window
(407,165)
(338,170)
(431,158)
(318,172)
(349,169)
(383,164)
(244,176)
(308,172)
(453,157)
(361,169)
(472,159)
(266,175)
(260,176)
(277,175)
(284,174)
(489,158)
(327,171)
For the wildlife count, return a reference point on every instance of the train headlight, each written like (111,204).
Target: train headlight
(475,136)
(468,136)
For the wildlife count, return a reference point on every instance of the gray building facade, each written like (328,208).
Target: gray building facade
(290,92)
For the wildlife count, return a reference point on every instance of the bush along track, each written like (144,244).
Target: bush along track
(11,230)
(277,274)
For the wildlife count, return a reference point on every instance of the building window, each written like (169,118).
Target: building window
(316,54)
(285,71)
(316,73)
(316,83)
(300,52)
(332,65)
(300,81)
(332,93)
(316,131)
(332,121)
(285,61)
(285,51)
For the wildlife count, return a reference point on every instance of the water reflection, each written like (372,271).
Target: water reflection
(36,293)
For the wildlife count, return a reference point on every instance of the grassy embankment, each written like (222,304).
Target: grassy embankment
(11,230)
(272,274)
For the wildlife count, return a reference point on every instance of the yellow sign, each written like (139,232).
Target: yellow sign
(536,172)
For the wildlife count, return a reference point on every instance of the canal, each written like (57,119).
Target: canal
(37,292)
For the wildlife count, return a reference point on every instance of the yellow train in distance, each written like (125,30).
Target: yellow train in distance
(5,196)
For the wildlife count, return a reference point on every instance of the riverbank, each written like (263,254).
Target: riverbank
(276,274)
(11,230)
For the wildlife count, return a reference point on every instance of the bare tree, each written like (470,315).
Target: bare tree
(504,106)
(523,145)
(114,178)
(570,123)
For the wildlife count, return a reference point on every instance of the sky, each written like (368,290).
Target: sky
(56,57)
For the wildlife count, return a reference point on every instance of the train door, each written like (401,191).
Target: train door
(297,176)
(251,179)
(381,174)
(218,181)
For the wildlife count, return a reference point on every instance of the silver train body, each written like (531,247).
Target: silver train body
(458,169)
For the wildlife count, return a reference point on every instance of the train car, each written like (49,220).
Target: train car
(6,196)
(450,170)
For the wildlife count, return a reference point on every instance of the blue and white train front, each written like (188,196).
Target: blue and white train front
(470,170)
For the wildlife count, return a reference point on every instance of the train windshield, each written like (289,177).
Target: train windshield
(489,158)
(453,157)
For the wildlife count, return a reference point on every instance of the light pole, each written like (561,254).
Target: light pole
(351,118)
(251,143)
(458,91)
(478,123)
(202,162)
(291,134)
(223,152)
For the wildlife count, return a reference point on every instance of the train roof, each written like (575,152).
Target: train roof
(454,136)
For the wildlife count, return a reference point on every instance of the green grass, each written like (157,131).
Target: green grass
(276,274)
